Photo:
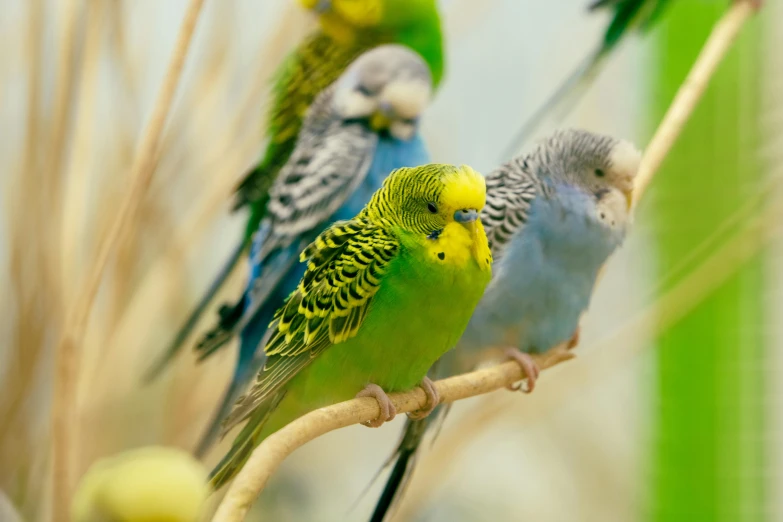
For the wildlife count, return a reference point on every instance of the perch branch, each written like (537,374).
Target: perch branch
(690,92)
(275,448)
(268,456)
(67,355)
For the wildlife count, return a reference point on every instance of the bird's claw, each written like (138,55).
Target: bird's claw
(433,399)
(529,368)
(388,411)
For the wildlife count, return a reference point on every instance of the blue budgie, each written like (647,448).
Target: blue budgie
(357,131)
(552,218)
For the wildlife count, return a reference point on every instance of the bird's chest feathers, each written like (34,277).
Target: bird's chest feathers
(453,247)
(568,230)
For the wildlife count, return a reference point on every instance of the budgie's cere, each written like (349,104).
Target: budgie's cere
(151,484)
(553,218)
(384,295)
(358,130)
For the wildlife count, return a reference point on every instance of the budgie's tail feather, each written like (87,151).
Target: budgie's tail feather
(247,365)
(406,457)
(235,388)
(407,450)
(184,332)
(254,187)
(265,278)
(560,102)
(224,331)
(244,444)
(598,4)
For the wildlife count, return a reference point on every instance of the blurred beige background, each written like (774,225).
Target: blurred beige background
(575,450)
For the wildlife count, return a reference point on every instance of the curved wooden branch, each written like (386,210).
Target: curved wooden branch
(268,456)
(690,92)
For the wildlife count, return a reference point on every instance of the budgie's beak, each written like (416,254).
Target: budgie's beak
(379,121)
(629,198)
(466,215)
(383,117)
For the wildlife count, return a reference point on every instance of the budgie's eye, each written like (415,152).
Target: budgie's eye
(363,89)
(432,208)
(599,173)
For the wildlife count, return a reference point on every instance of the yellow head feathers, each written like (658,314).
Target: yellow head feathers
(360,13)
(463,188)
(340,18)
(152,484)
(426,198)
(439,204)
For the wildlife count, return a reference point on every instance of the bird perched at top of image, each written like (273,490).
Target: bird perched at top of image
(347,29)
(384,295)
(150,484)
(626,16)
(553,217)
(357,131)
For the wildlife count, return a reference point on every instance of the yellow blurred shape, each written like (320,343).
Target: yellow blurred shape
(361,13)
(150,484)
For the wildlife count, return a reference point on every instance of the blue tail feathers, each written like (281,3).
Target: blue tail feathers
(190,324)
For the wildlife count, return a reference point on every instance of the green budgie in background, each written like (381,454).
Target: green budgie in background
(384,295)
(151,484)
(627,16)
(347,29)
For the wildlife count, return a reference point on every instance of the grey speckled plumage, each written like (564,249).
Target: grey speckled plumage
(512,187)
(553,217)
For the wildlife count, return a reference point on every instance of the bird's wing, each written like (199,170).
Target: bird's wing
(309,70)
(346,264)
(331,159)
(510,192)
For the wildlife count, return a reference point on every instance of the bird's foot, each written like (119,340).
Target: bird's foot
(388,411)
(529,368)
(433,399)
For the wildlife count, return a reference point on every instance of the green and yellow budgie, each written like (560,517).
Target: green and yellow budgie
(384,295)
(347,29)
(151,484)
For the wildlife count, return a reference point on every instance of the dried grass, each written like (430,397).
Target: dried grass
(66,181)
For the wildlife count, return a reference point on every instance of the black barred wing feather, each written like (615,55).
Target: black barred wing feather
(511,190)
(345,268)
(300,79)
(331,159)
